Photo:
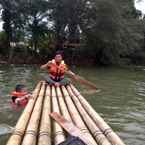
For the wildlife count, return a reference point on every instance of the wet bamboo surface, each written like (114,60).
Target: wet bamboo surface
(35,127)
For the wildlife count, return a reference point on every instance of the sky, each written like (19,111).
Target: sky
(1,22)
(1,25)
(139,5)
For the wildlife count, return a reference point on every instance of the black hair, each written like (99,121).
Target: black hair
(59,52)
(19,87)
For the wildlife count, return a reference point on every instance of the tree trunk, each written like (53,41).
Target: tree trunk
(11,52)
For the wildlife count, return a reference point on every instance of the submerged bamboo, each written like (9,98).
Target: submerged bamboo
(76,117)
(112,136)
(21,125)
(45,126)
(58,131)
(99,136)
(32,129)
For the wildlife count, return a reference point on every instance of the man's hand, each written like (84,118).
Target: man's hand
(45,66)
(29,96)
(70,74)
(17,101)
(57,84)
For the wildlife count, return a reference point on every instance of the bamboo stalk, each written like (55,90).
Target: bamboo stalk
(76,117)
(62,104)
(21,125)
(31,131)
(99,136)
(45,126)
(110,134)
(58,131)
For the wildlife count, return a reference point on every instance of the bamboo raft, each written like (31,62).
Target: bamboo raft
(35,126)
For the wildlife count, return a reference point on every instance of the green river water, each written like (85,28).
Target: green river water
(121,101)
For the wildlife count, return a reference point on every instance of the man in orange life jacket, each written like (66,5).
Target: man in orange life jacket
(20,96)
(56,69)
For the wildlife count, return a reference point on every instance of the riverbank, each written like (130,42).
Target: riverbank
(37,59)
(22,60)
(77,61)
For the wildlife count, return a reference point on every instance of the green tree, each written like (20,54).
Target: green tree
(37,16)
(66,13)
(111,31)
(13,18)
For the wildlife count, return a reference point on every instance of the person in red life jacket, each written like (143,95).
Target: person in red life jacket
(56,69)
(20,96)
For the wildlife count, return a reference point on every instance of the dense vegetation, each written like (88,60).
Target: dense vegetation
(97,31)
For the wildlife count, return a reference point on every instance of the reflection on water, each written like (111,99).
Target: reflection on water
(121,101)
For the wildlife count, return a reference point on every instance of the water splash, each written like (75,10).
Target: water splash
(5,129)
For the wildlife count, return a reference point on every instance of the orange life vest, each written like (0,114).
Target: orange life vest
(24,102)
(57,71)
(18,94)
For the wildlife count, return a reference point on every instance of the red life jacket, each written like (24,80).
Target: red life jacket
(23,102)
(18,94)
(57,71)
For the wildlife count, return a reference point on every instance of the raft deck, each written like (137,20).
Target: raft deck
(36,127)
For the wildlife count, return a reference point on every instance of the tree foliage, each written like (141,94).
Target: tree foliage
(110,31)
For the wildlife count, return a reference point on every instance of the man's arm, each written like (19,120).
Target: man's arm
(45,66)
(28,96)
(75,77)
(70,74)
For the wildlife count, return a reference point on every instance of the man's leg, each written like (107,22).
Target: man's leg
(49,80)
(64,82)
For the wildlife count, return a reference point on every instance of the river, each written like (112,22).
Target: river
(121,101)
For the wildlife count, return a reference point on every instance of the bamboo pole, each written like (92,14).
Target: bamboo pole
(58,131)
(21,125)
(45,126)
(99,136)
(109,133)
(76,117)
(32,128)
(62,104)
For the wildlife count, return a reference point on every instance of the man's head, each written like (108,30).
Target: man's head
(58,56)
(20,88)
